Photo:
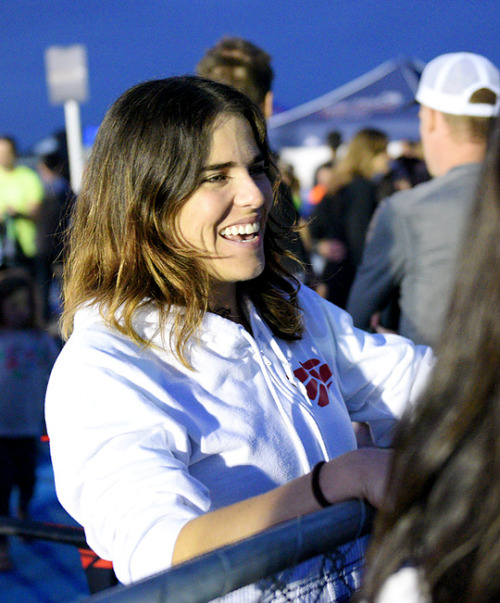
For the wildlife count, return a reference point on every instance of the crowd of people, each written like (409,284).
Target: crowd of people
(214,383)
(34,206)
(33,209)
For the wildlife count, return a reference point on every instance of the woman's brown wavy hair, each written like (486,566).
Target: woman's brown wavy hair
(122,250)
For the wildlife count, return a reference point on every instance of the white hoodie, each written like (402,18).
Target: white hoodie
(141,445)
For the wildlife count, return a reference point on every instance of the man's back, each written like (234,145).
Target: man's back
(415,239)
(413,246)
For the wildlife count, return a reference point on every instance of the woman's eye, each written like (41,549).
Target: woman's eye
(215,179)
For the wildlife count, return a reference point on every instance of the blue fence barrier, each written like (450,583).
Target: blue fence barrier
(235,566)
(75,536)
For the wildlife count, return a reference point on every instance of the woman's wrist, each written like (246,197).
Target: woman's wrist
(316,486)
(360,473)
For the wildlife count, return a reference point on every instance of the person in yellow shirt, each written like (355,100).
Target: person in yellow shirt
(21,193)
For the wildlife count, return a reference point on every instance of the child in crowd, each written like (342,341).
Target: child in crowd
(27,354)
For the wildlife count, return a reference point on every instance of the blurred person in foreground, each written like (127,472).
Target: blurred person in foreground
(438,538)
(338,224)
(201,384)
(413,241)
(21,194)
(239,63)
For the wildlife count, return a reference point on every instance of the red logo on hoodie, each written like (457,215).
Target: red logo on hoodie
(317,378)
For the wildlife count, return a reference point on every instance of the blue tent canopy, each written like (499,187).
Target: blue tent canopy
(383,98)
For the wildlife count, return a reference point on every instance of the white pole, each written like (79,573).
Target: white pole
(75,147)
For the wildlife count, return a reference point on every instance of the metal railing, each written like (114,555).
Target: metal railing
(43,531)
(235,566)
(99,573)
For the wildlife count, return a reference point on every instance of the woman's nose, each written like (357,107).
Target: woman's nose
(252,192)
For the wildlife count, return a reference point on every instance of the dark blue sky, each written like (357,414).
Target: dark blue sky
(316,45)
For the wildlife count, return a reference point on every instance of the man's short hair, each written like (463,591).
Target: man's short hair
(467,127)
(239,63)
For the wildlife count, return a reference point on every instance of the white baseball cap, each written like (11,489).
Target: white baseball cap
(449,81)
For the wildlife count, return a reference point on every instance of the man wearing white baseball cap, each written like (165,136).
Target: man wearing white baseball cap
(415,235)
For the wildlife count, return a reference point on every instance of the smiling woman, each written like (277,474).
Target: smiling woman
(225,218)
(183,411)
(159,189)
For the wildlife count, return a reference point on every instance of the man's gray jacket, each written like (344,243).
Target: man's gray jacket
(412,245)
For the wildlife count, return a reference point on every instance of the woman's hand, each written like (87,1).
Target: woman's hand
(356,474)
(360,473)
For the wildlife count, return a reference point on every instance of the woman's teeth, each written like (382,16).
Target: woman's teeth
(241,229)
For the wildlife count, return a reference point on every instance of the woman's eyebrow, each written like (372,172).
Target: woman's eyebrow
(218,166)
(229,164)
